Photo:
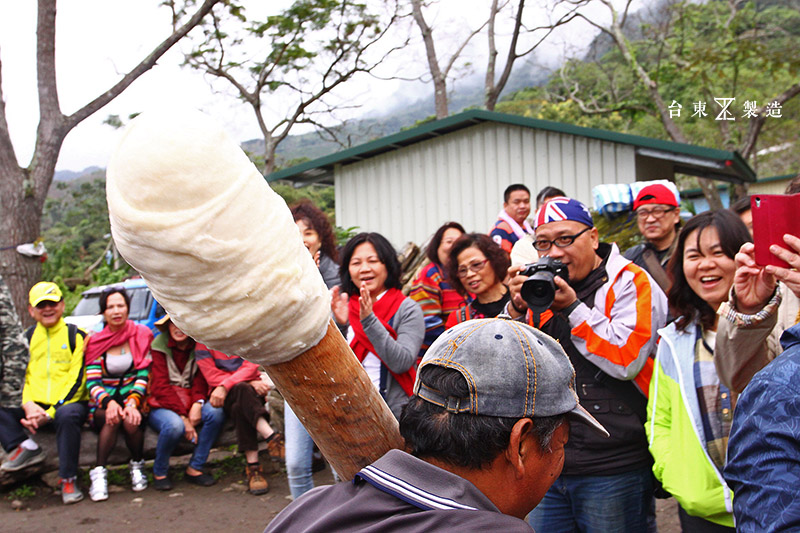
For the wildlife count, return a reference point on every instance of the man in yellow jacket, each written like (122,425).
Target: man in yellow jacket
(55,384)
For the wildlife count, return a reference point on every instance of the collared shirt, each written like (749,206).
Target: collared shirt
(401,493)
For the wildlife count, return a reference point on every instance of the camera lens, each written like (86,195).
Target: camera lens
(539,290)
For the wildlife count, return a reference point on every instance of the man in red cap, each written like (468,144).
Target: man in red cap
(658,216)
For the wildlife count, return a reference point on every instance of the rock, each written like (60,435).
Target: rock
(176,495)
(115,489)
(51,479)
(137,502)
(16,505)
(238,487)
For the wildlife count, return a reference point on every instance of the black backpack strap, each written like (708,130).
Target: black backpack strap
(73,331)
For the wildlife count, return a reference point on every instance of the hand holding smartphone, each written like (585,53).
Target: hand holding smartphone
(774,215)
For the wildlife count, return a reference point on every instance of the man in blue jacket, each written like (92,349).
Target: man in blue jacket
(763,466)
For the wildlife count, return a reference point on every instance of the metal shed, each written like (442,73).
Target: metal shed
(406,185)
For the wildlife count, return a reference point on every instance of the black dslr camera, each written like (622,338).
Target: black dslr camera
(539,289)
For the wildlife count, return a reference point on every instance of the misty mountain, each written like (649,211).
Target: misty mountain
(69,175)
(465,93)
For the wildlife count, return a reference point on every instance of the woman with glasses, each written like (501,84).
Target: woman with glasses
(384,328)
(432,289)
(689,411)
(117,373)
(477,267)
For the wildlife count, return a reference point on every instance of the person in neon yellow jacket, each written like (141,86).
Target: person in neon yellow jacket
(55,382)
(689,410)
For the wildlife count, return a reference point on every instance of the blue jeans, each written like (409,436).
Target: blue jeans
(299,451)
(601,504)
(170,429)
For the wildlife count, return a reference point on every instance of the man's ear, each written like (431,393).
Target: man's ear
(595,236)
(521,445)
(30,311)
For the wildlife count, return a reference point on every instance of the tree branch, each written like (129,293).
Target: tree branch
(146,64)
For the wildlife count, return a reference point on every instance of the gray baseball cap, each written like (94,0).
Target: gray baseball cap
(512,370)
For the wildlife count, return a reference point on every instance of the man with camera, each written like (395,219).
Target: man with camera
(605,312)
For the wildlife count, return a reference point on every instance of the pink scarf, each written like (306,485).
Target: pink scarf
(139,338)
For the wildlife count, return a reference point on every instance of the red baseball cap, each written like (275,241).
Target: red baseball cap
(655,194)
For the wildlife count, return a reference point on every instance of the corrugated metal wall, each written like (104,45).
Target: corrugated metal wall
(407,193)
(769,187)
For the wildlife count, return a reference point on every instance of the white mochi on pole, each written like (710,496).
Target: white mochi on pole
(218,248)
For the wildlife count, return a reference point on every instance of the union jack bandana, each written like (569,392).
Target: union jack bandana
(563,208)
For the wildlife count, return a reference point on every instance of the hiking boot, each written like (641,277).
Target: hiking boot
(99,489)
(256,482)
(276,447)
(138,479)
(22,458)
(70,493)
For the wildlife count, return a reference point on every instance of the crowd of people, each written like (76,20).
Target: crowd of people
(671,344)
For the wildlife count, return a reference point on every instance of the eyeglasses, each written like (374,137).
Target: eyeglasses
(656,212)
(475,266)
(44,304)
(561,242)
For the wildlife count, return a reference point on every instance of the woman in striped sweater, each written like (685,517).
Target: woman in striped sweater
(117,371)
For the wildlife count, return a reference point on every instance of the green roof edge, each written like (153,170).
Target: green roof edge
(482,115)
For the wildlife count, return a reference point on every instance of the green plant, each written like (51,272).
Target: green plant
(23,492)
(344,234)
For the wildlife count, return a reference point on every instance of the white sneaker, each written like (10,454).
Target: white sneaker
(138,479)
(99,489)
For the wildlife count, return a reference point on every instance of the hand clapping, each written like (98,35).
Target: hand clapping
(364,302)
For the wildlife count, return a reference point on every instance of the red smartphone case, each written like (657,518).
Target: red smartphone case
(774,215)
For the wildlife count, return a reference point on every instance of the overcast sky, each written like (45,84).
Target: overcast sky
(97,41)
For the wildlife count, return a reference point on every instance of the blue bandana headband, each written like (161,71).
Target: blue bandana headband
(563,208)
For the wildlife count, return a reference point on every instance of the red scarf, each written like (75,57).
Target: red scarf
(138,337)
(383,309)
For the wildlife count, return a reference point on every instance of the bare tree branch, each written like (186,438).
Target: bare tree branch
(145,65)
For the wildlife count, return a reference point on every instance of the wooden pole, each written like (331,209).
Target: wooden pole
(332,395)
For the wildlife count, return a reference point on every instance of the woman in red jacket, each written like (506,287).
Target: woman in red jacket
(179,405)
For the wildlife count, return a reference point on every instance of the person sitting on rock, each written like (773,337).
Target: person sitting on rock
(179,405)
(236,386)
(55,383)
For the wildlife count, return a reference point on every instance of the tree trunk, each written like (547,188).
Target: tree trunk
(19,218)
(23,190)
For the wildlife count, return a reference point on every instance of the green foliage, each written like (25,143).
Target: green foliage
(694,52)
(345,234)
(621,230)
(320,195)
(76,232)
(23,492)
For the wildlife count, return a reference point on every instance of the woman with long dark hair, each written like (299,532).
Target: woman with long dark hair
(432,289)
(117,372)
(477,268)
(689,410)
(384,327)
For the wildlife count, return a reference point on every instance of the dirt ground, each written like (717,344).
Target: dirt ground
(225,506)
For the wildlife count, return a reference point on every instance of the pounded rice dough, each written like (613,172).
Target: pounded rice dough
(218,248)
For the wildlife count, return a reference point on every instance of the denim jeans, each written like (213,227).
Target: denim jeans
(603,504)
(299,451)
(170,429)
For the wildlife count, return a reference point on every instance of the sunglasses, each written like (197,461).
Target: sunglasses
(44,304)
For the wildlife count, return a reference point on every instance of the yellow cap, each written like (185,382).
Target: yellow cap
(44,291)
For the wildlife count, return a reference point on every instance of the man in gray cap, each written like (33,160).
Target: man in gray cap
(485,433)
